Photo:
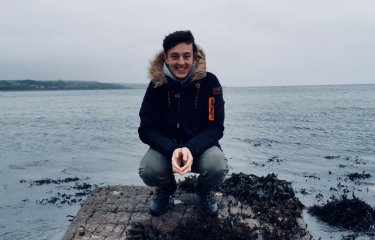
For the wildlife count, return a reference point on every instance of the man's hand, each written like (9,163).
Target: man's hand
(187,160)
(182,160)
(176,160)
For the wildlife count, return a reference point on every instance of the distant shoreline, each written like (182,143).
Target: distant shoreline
(62,85)
(55,85)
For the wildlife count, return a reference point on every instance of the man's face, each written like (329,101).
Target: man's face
(180,59)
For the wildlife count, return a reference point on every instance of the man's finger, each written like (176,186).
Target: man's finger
(187,166)
(176,170)
(186,170)
(176,165)
(184,155)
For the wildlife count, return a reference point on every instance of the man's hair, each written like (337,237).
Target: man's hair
(177,37)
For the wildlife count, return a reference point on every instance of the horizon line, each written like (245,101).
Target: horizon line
(225,86)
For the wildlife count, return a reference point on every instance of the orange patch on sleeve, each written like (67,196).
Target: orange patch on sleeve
(211,109)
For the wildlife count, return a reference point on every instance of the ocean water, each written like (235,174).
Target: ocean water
(312,136)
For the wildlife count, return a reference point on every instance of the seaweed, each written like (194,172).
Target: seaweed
(353,214)
(272,200)
(207,229)
(357,176)
(187,184)
(82,190)
(46,181)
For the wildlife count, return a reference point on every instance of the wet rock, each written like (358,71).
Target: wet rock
(250,207)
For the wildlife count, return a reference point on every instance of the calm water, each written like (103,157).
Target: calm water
(93,135)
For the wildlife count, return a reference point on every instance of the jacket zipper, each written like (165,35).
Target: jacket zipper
(197,86)
(178,97)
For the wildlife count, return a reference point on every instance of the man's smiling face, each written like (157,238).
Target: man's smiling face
(180,59)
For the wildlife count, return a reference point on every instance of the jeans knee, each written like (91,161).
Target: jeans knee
(214,177)
(144,176)
(155,178)
(147,176)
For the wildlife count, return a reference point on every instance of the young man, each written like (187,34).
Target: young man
(182,120)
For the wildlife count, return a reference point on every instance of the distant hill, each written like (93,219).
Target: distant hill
(134,85)
(34,85)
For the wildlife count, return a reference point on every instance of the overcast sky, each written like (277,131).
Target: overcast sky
(247,43)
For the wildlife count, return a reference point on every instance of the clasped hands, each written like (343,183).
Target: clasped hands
(182,160)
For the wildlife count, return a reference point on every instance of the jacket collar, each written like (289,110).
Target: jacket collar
(158,77)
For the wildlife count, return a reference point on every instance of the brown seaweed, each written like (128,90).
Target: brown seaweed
(272,200)
(352,214)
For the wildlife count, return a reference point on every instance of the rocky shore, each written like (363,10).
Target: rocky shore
(251,207)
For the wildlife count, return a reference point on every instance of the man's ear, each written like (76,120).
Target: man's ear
(165,58)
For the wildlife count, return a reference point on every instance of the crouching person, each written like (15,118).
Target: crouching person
(182,120)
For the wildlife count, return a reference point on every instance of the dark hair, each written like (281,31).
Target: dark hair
(177,37)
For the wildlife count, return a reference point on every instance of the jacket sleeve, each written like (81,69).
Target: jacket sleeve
(215,128)
(149,131)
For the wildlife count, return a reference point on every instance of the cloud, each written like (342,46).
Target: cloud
(247,42)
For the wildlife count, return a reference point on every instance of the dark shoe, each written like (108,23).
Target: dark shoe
(207,199)
(160,201)
(208,203)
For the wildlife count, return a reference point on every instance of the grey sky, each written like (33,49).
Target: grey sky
(248,43)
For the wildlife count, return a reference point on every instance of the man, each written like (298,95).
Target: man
(182,119)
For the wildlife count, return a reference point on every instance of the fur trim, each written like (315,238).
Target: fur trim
(157,76)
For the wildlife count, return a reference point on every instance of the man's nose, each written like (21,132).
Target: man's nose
(181,60)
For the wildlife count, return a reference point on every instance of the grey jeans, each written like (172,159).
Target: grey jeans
(156,170)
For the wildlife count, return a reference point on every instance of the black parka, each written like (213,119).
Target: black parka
(174,115)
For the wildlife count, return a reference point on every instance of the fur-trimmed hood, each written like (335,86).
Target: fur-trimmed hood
(157,76)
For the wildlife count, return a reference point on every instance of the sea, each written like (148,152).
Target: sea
(311,136)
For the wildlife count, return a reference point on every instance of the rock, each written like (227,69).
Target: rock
(250,207)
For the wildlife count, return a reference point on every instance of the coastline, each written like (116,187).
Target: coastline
(57,85)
